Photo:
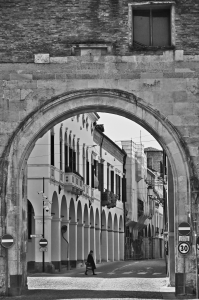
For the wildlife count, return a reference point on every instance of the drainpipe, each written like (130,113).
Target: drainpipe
(124,207)
(101,190)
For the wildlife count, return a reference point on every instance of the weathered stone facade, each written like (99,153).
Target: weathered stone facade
(156,88)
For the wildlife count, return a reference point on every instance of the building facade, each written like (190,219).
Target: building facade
(143,209)
(58,60)
(75,175)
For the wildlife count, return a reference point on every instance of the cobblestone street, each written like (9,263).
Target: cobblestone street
(119,280)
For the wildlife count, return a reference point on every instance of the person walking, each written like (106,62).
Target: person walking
(90,263)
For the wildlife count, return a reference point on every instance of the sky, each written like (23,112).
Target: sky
(119,128)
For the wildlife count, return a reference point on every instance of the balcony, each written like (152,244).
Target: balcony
(109,199)
(95,194)
(87,191)
(73,183)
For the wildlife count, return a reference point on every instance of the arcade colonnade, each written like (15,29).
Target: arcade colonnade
(87,229)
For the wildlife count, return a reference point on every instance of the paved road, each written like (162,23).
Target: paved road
(119,280)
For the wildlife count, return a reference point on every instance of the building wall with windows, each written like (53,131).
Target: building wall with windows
(66,164)
(119,23)
(144,213)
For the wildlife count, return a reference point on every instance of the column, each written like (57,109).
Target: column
(121,242)
(65,245)
(171,260)
(98,245)
(80,243)
(92,240)
(56,242)
(38,254)
(116,245)
(104,250)
(110,245)
(73,244)
(86,241)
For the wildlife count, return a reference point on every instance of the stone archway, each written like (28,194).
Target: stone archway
(21,143)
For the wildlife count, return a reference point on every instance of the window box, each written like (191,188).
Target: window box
(73,183)
(152,25)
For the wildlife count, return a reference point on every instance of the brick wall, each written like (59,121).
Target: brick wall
(156,158)
(28,27)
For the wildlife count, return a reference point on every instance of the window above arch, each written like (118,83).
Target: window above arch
(152,25)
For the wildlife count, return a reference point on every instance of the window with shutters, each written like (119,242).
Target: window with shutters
(78,153)
(117,183)
(60,148)
(101,176)
(152,25)
(84,162)
(94,172)
(74,157)
(87,168)
(112,181)
(108,171)
(66,152)
(70,154)
(52,147)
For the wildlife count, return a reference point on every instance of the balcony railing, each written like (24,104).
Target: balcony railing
(95,194)
(87,190)
(109,199)
(73,183)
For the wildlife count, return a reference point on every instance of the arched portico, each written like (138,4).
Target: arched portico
(72,233)
(55,110)
(80,234)
(97,236)
(92,232)
(121,238)
(64,233)
(116,238)
(110,238)
(55,233)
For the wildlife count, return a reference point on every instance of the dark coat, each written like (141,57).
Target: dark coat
(90,260)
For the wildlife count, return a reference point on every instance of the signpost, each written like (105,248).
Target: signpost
(184,247)
(36,235)
(184,228)
(43,243)
(7,240)
(184,238)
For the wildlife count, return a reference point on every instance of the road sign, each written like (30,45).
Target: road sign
(36,235)
(184,228)
(7,240)
(43,243)
(184,247)
(184,238)
(43,249)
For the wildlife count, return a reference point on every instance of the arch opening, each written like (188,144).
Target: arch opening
(116,102)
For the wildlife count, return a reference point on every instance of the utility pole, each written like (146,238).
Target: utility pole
(43,253)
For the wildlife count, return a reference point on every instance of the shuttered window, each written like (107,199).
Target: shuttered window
(151,27)
(52,148)
(112,181)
